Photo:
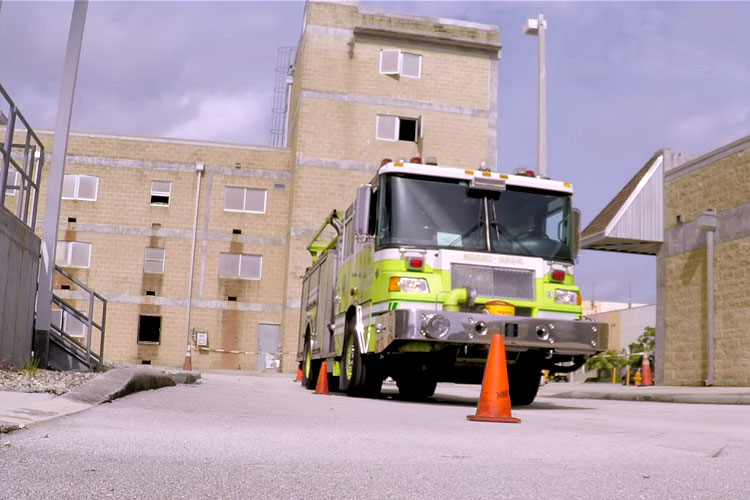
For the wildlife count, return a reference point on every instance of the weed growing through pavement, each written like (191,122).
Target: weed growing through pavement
(29,368)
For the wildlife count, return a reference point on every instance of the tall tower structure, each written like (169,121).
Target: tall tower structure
(370,84)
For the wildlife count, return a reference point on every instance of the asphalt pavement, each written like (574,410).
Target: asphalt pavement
(656,393)
(18,410)
(240,435)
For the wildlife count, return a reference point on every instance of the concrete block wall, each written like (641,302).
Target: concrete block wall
(19,265)
(722,182)
(122,223)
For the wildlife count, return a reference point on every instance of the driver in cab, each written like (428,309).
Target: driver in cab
(527,225)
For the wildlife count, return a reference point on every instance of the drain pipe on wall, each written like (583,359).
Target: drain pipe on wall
(707,222)
(188,364)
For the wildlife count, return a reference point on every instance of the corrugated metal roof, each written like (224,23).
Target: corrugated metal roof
(632,221)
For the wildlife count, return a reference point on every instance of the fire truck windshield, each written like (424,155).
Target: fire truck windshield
(429,212)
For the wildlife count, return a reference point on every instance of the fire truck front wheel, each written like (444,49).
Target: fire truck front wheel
(416,388)
(359,375)
(309,367)
(523,378)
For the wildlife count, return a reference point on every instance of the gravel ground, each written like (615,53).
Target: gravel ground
(50,381)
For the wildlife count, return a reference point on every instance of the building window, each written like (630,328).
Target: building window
(395,62)
(240,266)
(149,329)
(12,182)
(153,261)
(73,254)
(160,191)
(397,128)
(80,187)
(68,323)
(239,199)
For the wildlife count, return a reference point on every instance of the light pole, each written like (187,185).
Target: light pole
(538,27)
(56,176)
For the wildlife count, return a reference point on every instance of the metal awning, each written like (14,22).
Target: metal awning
(633,222)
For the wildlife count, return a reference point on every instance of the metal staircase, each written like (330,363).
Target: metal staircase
(76,339)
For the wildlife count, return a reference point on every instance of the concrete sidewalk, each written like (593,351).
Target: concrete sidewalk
(662,394)
(18,409)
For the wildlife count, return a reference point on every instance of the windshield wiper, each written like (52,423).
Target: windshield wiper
(467,233)
(499,228)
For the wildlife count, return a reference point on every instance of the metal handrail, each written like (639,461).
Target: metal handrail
(78,283)
(30,168)
(74,346)
(86,319)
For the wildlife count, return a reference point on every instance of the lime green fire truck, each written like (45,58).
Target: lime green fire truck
(429,262)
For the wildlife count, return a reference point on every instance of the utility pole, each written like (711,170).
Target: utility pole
(54,187)
(538,27)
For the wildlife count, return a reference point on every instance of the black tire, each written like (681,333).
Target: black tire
(359,374)
(309,367)
(416,388)
(523,379)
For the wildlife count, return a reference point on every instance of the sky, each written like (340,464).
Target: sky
(624,79)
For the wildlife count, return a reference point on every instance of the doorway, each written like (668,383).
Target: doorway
(269,348)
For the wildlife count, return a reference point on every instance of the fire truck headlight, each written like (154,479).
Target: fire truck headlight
(566,297)
(408,285)
(436,326)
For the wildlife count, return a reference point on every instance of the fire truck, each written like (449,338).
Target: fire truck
(427,264)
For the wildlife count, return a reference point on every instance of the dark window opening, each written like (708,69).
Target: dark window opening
(65,287)
(232,299)
(155,225)
(72,219)
(159,200)
(150,292)
(236,231)
(407,130)
(149,329)
(279,187)
(146,362)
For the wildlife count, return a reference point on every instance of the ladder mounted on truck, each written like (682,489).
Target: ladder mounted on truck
(324,240)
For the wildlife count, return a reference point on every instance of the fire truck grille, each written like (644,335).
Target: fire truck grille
(501,283)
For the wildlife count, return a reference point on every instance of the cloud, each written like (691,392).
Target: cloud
(236,117)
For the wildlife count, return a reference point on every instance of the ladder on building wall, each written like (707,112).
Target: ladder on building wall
(281,90)
(76,338)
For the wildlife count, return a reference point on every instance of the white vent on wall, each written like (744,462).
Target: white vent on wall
(395,62)
(240,266)
(80,187)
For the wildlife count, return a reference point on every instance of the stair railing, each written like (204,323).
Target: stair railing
(93,360)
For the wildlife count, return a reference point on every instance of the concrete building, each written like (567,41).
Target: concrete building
(626,324)
(366,85)
(693,214)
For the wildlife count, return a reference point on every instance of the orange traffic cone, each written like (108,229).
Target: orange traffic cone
(647,380)
(322,386)
(494,400)
(188,364)
(299,376)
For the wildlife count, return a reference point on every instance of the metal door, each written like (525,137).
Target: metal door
(269,348)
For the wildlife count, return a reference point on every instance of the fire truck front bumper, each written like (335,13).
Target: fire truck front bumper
(563,336)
